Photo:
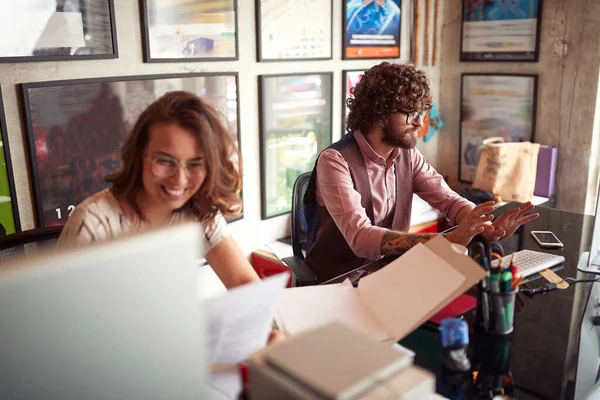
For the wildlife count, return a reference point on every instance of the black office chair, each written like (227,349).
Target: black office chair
(28,242)
(302,273)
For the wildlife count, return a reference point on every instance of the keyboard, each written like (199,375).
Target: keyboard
(530,262)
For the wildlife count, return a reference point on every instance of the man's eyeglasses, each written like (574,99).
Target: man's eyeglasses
(164,167)
(413,117)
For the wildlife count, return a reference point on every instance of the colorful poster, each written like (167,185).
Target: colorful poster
(75,130)
(294,29)
(434,124)
(179,30)
(500,30)
(371,29)
(351,78)
(295,128)
(494,106)
(9,216)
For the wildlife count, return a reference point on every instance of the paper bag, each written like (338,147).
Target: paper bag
(507,169)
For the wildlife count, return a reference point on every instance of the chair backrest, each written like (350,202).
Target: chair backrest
(28,242)
(299,228)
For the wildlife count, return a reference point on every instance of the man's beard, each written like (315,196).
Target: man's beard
(396,136)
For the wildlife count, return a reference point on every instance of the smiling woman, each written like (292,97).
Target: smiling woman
(177,166)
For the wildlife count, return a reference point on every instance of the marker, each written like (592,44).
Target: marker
(497,301)
(506,282)
(514,270)
(495,282)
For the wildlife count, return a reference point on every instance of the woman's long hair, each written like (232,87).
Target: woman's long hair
(220,191)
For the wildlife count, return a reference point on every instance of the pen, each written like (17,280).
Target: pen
(511,265)
(484,284)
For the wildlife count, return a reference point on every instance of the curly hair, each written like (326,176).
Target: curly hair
(386,89)
(220,191)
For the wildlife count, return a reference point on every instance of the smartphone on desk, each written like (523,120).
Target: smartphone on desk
(546,240)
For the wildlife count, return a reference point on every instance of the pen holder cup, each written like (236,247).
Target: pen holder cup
(500,306)
(491,366)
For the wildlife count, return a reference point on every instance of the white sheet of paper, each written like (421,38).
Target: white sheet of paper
(239,321)
(225,385)
(308,307)
(408,289)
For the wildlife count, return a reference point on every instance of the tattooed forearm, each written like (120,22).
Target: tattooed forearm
(395,243)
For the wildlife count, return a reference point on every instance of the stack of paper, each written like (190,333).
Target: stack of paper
(335,362)
(390,303)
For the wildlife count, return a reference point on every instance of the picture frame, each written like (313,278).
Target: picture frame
(67,166)
(9,210)
(164,42)
(495,32)
(71,32)
(281,30)
(295,123)
(494,105)
(350,78)
(386,29)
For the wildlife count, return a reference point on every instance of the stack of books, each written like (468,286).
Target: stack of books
(337,362)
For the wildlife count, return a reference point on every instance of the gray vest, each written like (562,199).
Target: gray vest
(330,255)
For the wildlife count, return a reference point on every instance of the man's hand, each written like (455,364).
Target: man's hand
(475,223)
(506,224)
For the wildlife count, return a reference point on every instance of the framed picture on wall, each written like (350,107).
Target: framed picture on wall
(295,126)
(9,212)
(501,30)
(189,30)
(50,30)
(75,129)
(371,29)
(494,106)
(294,30)
(351,78)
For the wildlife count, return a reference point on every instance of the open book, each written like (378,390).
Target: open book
(390,303)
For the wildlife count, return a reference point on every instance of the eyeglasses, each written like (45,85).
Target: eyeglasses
(164,167)
(413,117)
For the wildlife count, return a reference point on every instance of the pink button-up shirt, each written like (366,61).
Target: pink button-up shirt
(336,192)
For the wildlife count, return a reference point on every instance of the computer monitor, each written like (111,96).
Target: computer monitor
(590,262)
(117,320)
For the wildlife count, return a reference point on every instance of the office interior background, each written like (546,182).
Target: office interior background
(566,113)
